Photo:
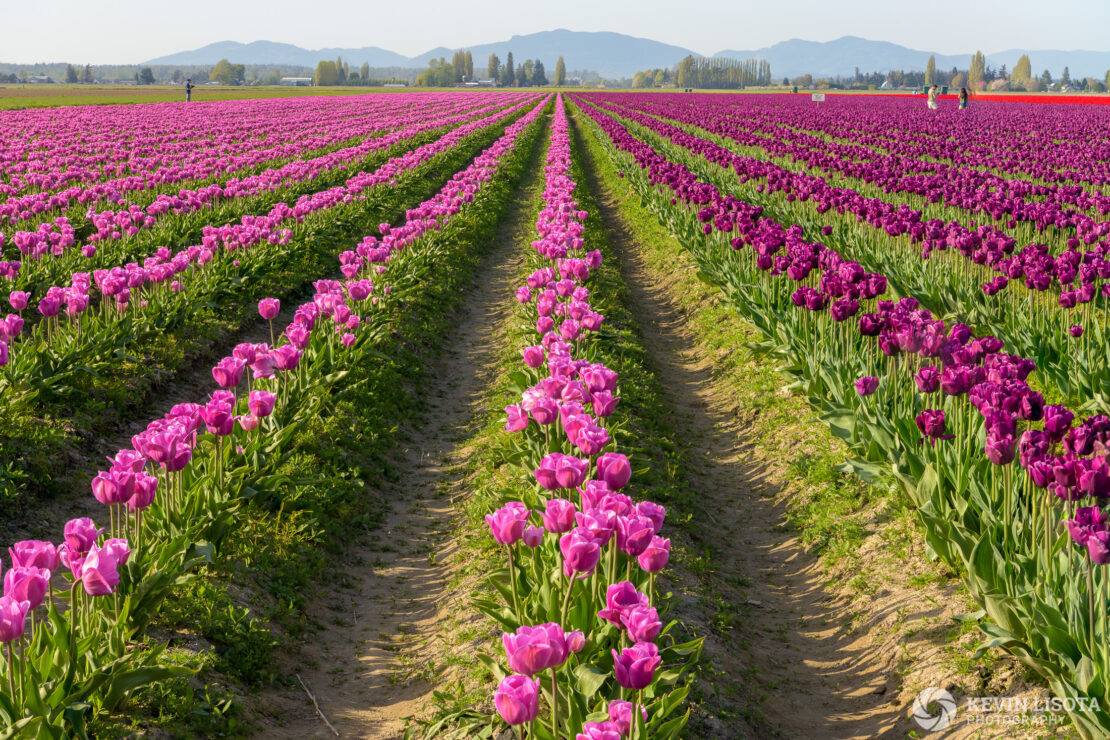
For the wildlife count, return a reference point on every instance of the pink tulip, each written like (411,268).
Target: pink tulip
(34,554)
(620,714)
(13,618)
(517,699)
(532,536)
(261,403)
(635,666)
(18,299)
(581,552)
(615,469)
(228,372)
(516,419)
(620,598)
(269,308)
(558,516)
(98,571)
(506,525)
(599,731)
(27,584)
(248,423)
(642,623)
(654,557)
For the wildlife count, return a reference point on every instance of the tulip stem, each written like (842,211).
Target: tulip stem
(1091,602)
(566,601)
(11,674)
(651,588)
(554,704)
(521,728)
(512,583)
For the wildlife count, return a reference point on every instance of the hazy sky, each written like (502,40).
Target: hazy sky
(132,31)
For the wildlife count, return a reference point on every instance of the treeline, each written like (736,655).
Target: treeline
(708,74)
(339,72)
(460,70)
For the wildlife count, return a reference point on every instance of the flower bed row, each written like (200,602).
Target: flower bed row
(953,432)
(178,487)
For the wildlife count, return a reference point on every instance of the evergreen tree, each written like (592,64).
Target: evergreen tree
(87,76)
(508,74)
(1046,78)
(1065,79)
(493,67)
(930,71)
(539,74)
(145,76)
(561,73)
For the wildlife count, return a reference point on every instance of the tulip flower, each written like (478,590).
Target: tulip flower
(654,557)
(27,584)
(13,618)
(558,516)
(642,623)
(532,536)
(517,699)
(615,469)
(634,534)
(34,554)
(261,403)
(620,714)
(269,308)
(98,571)
(581,552)
(18,299)
(506,525)
(228,372)
(634,667)
(931,424)
(599,731)
(867,385)
(620,598)
(516,419)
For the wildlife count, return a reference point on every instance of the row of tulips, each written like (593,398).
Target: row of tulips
(134,300)
(1028,321)
(173,495)
(953,432)
(280,148)
(109,235)
(579,604)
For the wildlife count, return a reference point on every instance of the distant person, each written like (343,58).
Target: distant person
(188,89)
(963,98)
(933,92)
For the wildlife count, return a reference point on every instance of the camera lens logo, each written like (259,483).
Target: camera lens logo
(934,709)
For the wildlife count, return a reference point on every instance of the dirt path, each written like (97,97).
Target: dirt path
(358,665)
(808,656)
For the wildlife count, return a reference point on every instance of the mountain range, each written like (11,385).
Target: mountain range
(616,55)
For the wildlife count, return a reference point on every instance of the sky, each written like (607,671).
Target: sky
(133,31)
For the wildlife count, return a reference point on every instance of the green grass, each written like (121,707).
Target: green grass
(14,97)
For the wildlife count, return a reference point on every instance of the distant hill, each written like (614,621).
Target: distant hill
(616,55)
(270,52)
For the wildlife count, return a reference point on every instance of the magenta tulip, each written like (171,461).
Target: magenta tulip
(261,403)
(516,419)
(635,666)
(517,699)
(615,469)
(654,557)
(642,623)
(34,554)
(581,552)
(269,308)
(13,618)
(620,598)
(558,516)
(599,731)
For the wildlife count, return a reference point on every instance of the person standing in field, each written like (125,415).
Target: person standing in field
(188,89)
(963,98)
(933,91)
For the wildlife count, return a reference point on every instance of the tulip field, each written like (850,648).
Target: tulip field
(933,283)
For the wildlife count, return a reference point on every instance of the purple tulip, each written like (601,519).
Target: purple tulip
(507,525)
(642,623)
(620,598)
(517,699)
(599,731)
(261,403)
(516,419)
(533,356)
(34,554)
(654,557)
(13,618)
(269,308)
(18,299)
(634,534)
(27,584)
(927,379)
(228,372)
(581,552)
(620,714)
(615,469)
(931,424)
(635,666)
(558,516)
(867,385)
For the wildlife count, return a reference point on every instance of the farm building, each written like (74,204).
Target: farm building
(296,81)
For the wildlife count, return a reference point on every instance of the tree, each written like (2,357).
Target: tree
(1046,78)
(469,65)
(326,73)
(440,73)
(458,66)
(508,74)
(1065,79)
(958,80)
(177,77)
(364,71)
(1108,78)
(146,76)
(87,76)
(930,71)
(71,74)
(1023,70)
(272,77)
(686,72)
(977,70)
(340,71)
(561,73)
(539,74)
(660,78)
(525,73)
(493,67)
(227,73)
